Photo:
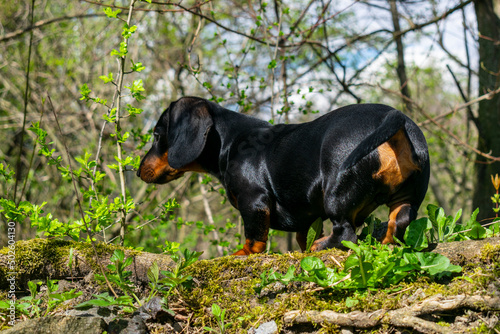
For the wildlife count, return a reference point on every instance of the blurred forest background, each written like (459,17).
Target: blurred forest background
(84,82)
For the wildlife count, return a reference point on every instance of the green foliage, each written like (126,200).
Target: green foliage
(495,199)
(441,228)
(111,13)
(44,149)
(313,233)
(105,300)
(45,224)
(416,235)
(137,67)
(118,276)
(371,265)
(219,317)
(135,89)
(40,305)
(4,171)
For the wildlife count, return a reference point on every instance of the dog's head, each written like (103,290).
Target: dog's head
(179,138)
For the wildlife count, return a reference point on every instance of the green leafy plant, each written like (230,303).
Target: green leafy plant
(371,265)
(178,278)
(219,314)
(40,305)
(45,224)
(442,228)
(119,277)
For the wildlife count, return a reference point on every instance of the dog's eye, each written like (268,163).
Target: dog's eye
(156,136)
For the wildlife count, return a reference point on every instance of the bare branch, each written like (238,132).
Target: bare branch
(42,23)
(403,317)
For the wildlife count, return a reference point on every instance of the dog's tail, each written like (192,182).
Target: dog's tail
(392,123)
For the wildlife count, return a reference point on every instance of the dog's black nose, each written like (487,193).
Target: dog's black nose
(138,172)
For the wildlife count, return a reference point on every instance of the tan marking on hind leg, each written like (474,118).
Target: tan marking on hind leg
(391,224)
(396,162)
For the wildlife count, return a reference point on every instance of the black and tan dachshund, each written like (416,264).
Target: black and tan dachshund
(341,166)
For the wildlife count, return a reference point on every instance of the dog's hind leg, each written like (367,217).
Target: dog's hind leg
(400,216)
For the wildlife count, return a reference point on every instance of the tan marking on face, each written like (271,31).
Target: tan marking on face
(396,162)
(158,169)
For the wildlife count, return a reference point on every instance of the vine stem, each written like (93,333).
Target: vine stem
(119,87)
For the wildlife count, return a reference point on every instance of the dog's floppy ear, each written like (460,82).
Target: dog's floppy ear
(188,126)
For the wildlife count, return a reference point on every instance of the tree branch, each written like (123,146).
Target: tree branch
(42,23)
(403,317)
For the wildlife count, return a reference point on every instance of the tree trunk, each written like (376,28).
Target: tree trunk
(401,69)
(488,21)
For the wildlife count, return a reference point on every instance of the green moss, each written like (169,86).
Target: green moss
(490,253)
(46,257)
(229,282)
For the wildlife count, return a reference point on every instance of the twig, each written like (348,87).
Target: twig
(331,285)
(483,225)
(400,291)
(118,132)
(77,194)
(273,69)
(42,23)
(209,214)
(462,94)
(31,159)
(337,262)
(152,10)
(486,96)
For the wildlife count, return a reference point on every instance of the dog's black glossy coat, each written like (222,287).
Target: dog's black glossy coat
(340,166)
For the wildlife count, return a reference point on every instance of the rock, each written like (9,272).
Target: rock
(59,324)
(107,313)
(266,328)
(152,310)
(346,330)
(127,326)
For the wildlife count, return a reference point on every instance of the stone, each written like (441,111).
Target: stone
(59,324)
(266,328)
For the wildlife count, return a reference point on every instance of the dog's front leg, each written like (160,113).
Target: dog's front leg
(256,219)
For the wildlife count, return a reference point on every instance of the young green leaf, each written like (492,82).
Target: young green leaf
(415,235)
(153,272)
(477,231)
(436,264)
(110,13)
(313,233)
(311,263)
(108,78)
